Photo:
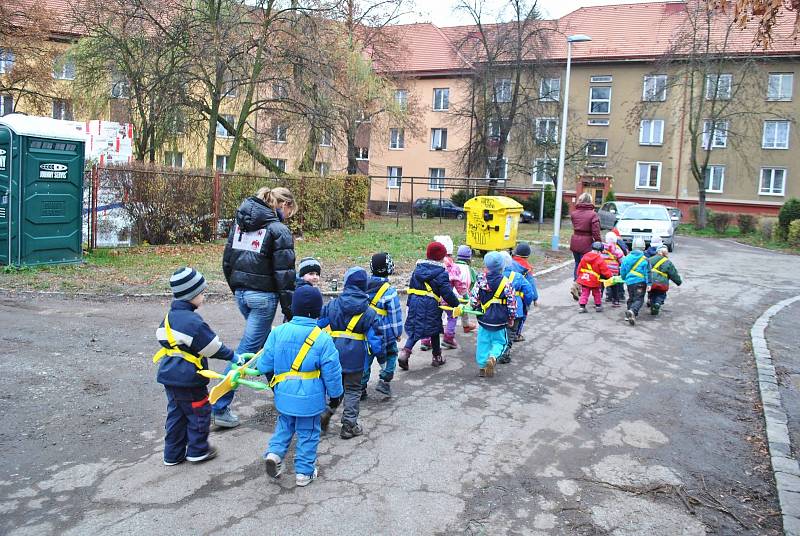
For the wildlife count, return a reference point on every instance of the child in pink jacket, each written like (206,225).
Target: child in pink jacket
(612,255)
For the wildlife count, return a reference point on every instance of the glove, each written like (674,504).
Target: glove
(333,403)
(457,311)
(238,360)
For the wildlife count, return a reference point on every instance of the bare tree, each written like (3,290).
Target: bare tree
(766,12)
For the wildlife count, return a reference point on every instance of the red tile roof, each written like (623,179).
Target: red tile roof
(425,49)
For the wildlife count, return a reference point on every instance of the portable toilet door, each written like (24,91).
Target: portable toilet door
(41,191)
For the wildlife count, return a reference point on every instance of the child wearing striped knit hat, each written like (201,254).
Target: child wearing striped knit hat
(308,272)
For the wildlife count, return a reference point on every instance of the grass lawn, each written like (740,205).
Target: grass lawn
(146,269)
(733,233)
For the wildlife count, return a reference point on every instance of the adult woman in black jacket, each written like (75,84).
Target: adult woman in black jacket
(258,264)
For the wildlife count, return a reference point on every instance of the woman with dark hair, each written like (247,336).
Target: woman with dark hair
(585,230)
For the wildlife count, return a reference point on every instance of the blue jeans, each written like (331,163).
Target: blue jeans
(307,430)
(258,309)
(188,422)
(388,366)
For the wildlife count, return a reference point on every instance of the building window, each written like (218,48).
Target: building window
(651,132)
(173,159)
(325,138)
(779,86)
(120,86)
(493,131)
(441,99)
(598,122)
(62,109)
(395,174)
(222,162)
(401,98)
(6,104)
(502,90)
(497,172)
(715,179)
(363,117)
(776,135)
(280,163)
(436,179)
(648,175)
(280,133)
(544,170)
(222,132)
(720,137)
(396,138)
(601,79)
(599,100)
(438,139)
(6,61)
(550,89)
(323,168)
(279,91)
(362,153)
(64,68)
(546,130)
(718,87)
(230,86)
(773,181)
(597,148)
(655,88)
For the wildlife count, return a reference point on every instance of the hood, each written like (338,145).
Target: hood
(427,269)
(635,254)
(584,206)
(353,301)
(254,214)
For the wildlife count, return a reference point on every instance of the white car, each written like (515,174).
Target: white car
(647,221)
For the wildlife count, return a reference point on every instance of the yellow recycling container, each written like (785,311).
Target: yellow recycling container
(492,222)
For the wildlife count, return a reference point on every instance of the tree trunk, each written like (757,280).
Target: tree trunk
(352,163)
(702,217)
(211,133)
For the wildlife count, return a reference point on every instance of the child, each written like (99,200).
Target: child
(636,272)
(454,273)
(521,254)
(384,300)
(655,243)
(468,276)
(494,295)
(429,284)
(308,272)
(523,297)
(661,272)
(590,270)
(612,255)
(357,333)
(187,343)
(303,366)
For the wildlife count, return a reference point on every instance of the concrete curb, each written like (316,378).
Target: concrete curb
(784,465)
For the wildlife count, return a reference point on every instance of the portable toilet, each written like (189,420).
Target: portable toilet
(41,191)
(492,222)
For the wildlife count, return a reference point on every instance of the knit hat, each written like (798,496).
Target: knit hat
(493,261)
(663,248)
(356,277)
(464,253)
(656,241)
(597,246)
(611,237)
(308,265)
(446,241)
(638,243)
(523,249)
(381,265)
(436,251)
(186,283)
(307,301)
(507,260)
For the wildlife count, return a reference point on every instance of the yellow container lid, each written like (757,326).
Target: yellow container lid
(492,202)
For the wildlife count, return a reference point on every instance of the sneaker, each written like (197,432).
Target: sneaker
(504,359)
(209,455)
(170,464)
(615,304)
(274,465)
(438,361)
(630,318)
(425,345)
(598,308)
(305,480)
(364,394)
(403,358)
(384,388)
(225,419)
(654,309)
(481,373)
(582,309)
(519,338)
(350,431)
(325,419)
(490,367)
(449,343)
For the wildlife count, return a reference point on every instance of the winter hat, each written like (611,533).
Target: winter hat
(523,249)
(611,237)
(661,248)
(597,246)
(446,241)
(308,265)
(356,277)
(656,241)
(507,260)
(307,301)
(381,265)
(493,261)
(464,253)
(638,243)
(436,251)
(186,283)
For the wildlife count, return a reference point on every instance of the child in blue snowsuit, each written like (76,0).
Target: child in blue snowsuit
(635,270)
(357,333)
(383,299)
(303,366)
(187,343)
(525,295)
(493,295)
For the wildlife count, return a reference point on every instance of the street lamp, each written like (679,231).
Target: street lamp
(578,38)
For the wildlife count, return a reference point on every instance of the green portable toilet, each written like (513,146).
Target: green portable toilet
(41,190)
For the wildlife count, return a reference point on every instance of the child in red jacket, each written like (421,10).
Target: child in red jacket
(590,271)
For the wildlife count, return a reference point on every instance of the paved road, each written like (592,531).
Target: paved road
(595,428)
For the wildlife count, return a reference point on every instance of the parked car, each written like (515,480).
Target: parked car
(611,211)
(676,215)
(433,207)
(647,221)
(526,217)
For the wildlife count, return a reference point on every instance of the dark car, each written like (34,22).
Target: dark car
(611,211)
(433,207)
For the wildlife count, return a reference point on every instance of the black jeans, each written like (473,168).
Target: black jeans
(616,293)
(636,294)
(577,257)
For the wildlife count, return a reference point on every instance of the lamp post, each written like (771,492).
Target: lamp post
(578,38)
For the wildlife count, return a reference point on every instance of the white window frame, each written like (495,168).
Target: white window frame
(6,104)
(771,189)
(280,133)
(279,91)
(222,132)
(64,68)
(785,86)
(362,153)
(720,140)
(540,167)
(594,100)
(280,163)
(710,177)
(502,90)
(710,86)
(397,139)
(492,160)
(171,157)
(436,180)
(401,98)
(598,122)
(65,110)
(6,61)
(438,139)
(546,139)
(325,138)
(394,177)
(638,185)
(549,94)
(658,91)
(775,141)
(322,168)
(221,158)
(601,79)
(593,140)
(651,140)
(441,99)
(493,130)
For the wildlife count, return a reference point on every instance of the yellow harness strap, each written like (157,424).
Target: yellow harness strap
(656,266)
(174,351)
(496,298)
(511,281)
(589,270)
(348,332)
(428,292)
(378,295)
(635,266)
(295,373)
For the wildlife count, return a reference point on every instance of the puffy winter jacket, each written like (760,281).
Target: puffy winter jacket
(259,254)
(585,228)
(524,293)
(591,268)
(338,313)
(498,314)
(389,302)
(634,268)
(522,266)
(296,396)
(612,255)
(662,271)
(424,317)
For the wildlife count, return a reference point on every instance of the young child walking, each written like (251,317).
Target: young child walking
(523,297)
(302,363)
(521,265)
(636,272)
(383,299)
(494,295)
(187,343)
(357,333)
(429,284)
(613,255)
(662,271)
(454,273)
(590,271)
(468,277)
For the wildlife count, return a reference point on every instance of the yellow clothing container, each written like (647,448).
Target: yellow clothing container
(492,222)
